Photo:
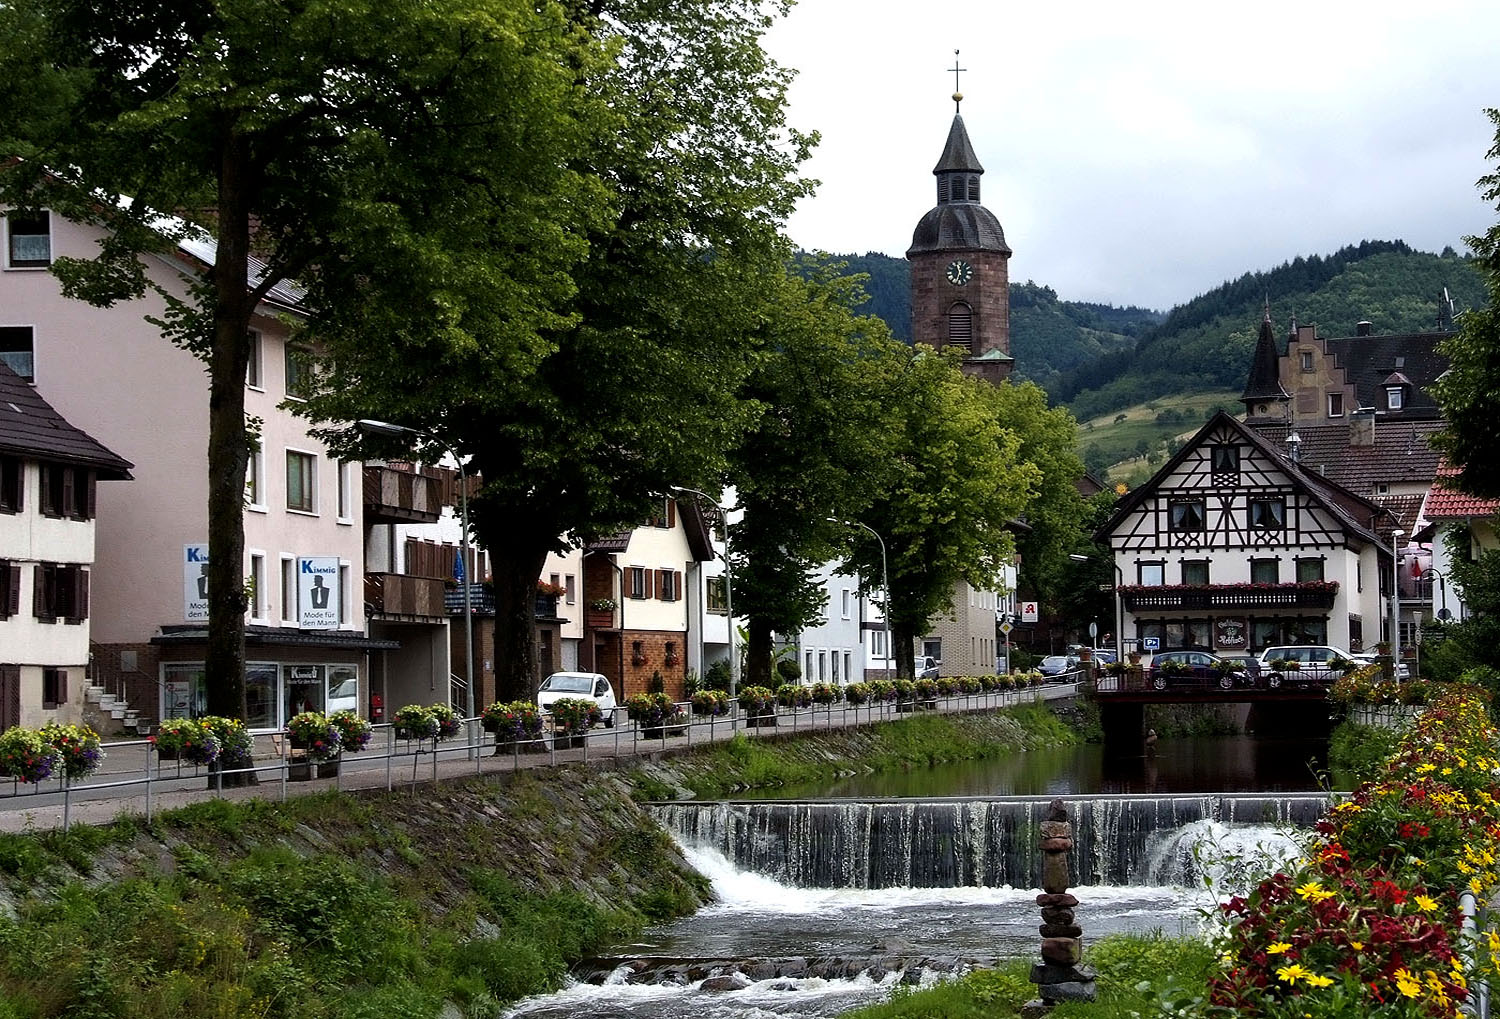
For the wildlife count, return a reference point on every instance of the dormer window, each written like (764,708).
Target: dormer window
(1394,397)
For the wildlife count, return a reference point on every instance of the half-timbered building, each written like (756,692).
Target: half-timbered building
(1234,546)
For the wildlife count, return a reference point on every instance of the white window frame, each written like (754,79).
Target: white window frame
(51,253)
(29,375)
(1394,398)
(259,604)
(1340,398)
(255,480)
(847,600)
(345,572)
(345,492)
(312,482)
(289,590)
(255,369)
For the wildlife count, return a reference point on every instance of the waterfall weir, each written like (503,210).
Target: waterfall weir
(987,843)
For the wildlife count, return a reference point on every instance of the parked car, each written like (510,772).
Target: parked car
(1057,666)
(1105,655)
(1313,660)
(1248,663)
(584,686)
(1193,668)
(926,667)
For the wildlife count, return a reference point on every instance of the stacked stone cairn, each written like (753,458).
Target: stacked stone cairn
(1059,976)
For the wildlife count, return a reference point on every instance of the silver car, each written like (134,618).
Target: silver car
(583,686)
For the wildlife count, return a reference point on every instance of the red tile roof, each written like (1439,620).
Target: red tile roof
(1446,502)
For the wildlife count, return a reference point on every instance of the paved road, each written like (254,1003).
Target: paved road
(132,780)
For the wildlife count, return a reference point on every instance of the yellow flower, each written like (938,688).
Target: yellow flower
(1476,886)
(1358,946)
(1423,769)
(1291,974)
(1425,903)
(1408,984)
(1319,981)
(1314,892)
(1278,947)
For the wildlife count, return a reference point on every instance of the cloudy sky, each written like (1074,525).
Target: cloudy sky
(1144,153)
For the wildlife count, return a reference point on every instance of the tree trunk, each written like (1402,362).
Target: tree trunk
(515,570)
(228,443)
(758,662)
(906,658)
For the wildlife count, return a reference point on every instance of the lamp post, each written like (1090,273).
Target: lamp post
(1396,536)
(734,661)
(1119,601)
(1442,612)
(372,427)
(885,582)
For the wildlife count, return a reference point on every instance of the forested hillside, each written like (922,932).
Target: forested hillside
(1206,344)
(1049,337)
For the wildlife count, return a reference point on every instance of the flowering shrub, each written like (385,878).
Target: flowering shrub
(710,703)
(186,739)
(1366,685)
(572,715)
(857,693)
(1366,924)
(235,741)
(447,720)
(1005,681)
(354,732)
(1320,586)
(826,693)
(906,691)
(313,732)
(26,755)
(927,689)
(882,691)
(512,722)
(793,695)
(947,686)
(77,746)
(653,710)
(757,700)
(415,722)
(969,684)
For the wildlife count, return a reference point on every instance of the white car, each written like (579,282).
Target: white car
(1317,656)
(583,686)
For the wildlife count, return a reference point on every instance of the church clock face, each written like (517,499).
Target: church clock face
(959,272)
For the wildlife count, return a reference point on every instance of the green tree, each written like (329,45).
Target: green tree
(635,390)
(1466,391)
(823,422)
(950,482)
(356,147)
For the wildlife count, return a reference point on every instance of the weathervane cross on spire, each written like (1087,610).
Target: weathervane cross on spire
(958,96)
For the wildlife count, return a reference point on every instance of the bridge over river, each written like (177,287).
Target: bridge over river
(1292,707)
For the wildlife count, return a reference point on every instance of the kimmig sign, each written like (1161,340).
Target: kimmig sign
(195,583)
(318,592)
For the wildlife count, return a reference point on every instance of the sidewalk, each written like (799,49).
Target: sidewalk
(131,782)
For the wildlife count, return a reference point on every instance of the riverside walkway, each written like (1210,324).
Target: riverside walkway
(134,781)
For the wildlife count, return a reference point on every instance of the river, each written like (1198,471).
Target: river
(794,933)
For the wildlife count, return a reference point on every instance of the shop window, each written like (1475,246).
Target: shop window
(260,696)
(302,687)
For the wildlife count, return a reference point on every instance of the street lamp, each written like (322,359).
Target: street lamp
(373,427)
(1396,536)
(1428,574)
(885,582)
(734,662)
(1119,601)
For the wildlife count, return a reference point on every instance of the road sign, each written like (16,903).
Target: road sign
(1093,632)
(1028,612)
(1006,627)
(1150,643)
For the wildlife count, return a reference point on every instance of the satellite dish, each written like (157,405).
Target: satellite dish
(1444,615)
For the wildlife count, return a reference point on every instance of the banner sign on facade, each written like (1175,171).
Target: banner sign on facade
(318,592)
(195,583)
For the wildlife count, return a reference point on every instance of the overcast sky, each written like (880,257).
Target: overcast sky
(1144,153)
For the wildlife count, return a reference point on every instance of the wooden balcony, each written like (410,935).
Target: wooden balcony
(1183,597)
(401,497)
(396,594)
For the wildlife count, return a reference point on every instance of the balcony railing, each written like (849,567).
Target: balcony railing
(401,497)
(396,594)
(1315,595)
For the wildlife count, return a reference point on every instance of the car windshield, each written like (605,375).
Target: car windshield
(569,684)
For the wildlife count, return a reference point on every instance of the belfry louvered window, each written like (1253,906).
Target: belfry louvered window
(961,327)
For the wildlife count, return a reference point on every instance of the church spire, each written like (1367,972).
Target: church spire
(1264,394)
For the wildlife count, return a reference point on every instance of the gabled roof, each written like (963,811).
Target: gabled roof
(1446,502)
(1357,515)
(31,428)
(1400,454)
(1370,361)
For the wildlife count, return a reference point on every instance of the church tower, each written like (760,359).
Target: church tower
(960,274)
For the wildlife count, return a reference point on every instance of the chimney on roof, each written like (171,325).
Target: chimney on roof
(1363,327)
(1362,427)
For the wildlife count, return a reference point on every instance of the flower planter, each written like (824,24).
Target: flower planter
(760,721)
(595,619)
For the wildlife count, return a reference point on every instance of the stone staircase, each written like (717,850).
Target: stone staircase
(110,715)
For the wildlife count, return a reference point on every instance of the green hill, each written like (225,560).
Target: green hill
(1206,344)
(1048,337)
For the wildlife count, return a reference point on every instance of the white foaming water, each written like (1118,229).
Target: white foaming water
(1226,859)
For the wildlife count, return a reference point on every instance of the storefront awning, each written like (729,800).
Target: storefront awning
(276,636)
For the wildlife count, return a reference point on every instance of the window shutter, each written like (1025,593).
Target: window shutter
(676,585)
(650,583)
(67,508)
(90,486)
(10,581)
(44,475)
(62,687)
(80,595)
(41,601)
(671,513)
